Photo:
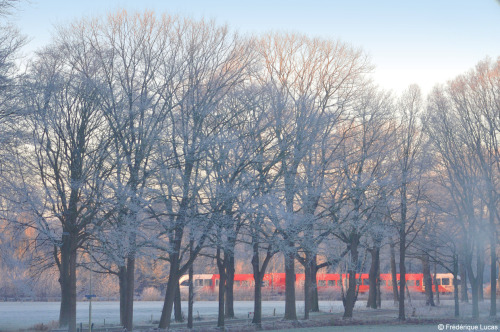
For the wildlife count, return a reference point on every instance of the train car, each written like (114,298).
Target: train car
(201,282)
(326,281)
(444,283)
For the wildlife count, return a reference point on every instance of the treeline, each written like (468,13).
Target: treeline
(143,136)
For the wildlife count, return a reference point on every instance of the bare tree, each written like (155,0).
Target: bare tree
(448,135)
(135,57)
(363,179)
(411,165)
(213,63)
(61,172)
(475,98)
(311,84)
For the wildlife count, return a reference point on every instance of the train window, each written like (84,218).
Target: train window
(321,283)
(245,283)
(237,283)
(185,283)
(418,283)
(446,281)
(207,282)
(264,283)
(198,282)
(216,282)
(331,282)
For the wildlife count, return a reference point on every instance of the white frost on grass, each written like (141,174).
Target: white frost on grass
(22,315)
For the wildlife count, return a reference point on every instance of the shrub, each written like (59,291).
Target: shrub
(151,294)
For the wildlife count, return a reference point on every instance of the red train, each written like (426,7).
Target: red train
(276,281)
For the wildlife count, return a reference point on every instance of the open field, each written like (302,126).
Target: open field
(24,315)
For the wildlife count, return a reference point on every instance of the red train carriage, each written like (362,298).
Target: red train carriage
(276,281)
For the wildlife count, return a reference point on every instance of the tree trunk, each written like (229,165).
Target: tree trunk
(436,285)
(177,305)
(474,286)
(493,276)
(350,299)
(464,296)
(190,298)
(258,276)
(402,249)
(67,280)
(480,272)
(290,310)
(493,257)
(229,312)
(307,287)
(122,280)
(373,278)
(426,269)
(379,293)
(222,288)
(257,300)
(455,285)
(314,280)
(173,281)
(129,305)
(475,298)
(402,273)
(394,273)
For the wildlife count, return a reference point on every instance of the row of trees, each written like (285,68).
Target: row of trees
(142,136)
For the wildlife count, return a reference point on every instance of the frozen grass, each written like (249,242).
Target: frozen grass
(19,315)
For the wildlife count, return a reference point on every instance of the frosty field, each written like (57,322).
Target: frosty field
(16,315)
(23,315)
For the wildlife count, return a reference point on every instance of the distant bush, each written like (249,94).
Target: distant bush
(151,294)
(45,327)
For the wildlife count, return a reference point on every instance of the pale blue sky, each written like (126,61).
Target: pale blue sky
(423,41)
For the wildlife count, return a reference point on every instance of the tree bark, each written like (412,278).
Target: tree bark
(464,296)
(394,273)
(379,293)
(129,304)
(168,302)
(438,301)
(480,271)
(402,273)
(257,300)
(122,280)
(290,310)
(177,305)
(455,285)
(190,298)
(67,280)
(229,312)
(493,276)
(222,289)
(314,280)
(351,296)
(475,299)
(493,258)
(373,277)
(426,269)
(474,286)
(307,287)
(258,276)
